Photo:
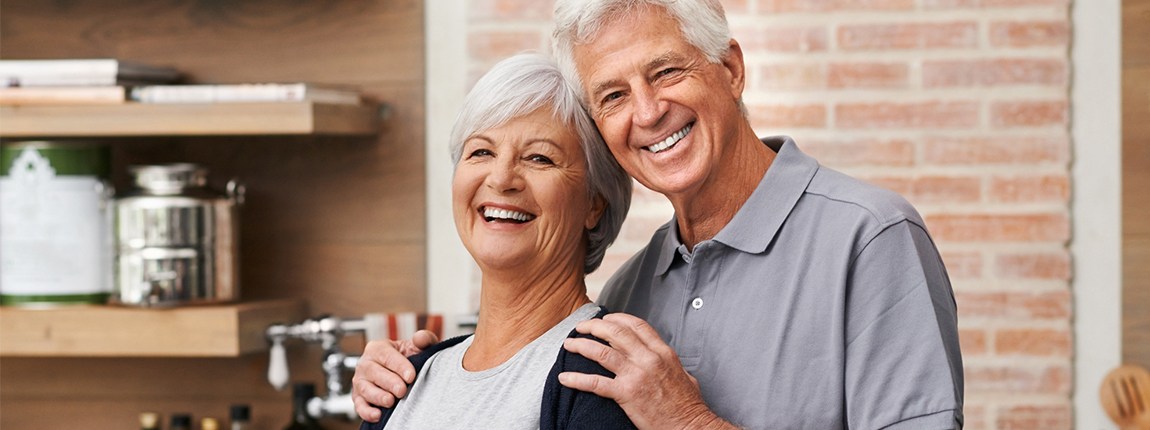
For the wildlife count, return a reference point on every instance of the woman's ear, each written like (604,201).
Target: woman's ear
(598,206)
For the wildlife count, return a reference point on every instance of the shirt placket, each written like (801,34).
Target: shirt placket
(696,307)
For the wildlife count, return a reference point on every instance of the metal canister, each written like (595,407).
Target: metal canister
(177,240)
(55,218)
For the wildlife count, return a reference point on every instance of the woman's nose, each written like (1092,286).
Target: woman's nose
(504,176)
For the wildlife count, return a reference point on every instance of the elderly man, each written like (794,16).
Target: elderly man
(797,297)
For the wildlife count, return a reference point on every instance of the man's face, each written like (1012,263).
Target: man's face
(666,113)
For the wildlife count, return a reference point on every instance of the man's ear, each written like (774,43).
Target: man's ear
(734,64)
(598,206)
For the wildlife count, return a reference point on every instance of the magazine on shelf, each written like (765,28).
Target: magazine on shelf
(82,72)
(108,94)
(245,93)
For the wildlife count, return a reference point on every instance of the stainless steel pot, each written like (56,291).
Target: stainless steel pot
(177,241)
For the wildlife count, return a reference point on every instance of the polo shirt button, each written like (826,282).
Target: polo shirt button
(697,303)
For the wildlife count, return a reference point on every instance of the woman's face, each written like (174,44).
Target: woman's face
(520,198)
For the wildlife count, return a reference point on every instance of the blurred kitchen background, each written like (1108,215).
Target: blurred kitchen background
(1020,129)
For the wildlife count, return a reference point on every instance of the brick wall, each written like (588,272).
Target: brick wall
(959,105)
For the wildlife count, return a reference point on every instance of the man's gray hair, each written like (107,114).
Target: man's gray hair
(702,23)
(523,84)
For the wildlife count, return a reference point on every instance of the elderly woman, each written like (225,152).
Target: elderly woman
(536,199)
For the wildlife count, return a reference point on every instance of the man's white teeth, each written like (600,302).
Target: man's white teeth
(670,140)
(493,214)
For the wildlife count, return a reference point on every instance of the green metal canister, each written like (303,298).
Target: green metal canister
(55,223)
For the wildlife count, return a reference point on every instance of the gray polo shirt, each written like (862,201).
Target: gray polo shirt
(822,304)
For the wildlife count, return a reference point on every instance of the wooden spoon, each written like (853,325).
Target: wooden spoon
(1125,395)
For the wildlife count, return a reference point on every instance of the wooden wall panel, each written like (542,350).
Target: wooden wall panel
(1136,181)
(337,221)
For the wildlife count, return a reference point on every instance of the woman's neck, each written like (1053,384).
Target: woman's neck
(515,310)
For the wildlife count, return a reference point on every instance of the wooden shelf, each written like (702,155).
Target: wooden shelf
(111,331)
(215,119)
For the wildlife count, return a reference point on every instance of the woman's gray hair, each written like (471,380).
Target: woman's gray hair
(702,22)
(523,84)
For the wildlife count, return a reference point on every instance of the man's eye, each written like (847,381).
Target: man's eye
(612,96)
(667,71)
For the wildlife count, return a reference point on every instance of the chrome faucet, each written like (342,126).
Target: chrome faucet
(327,331)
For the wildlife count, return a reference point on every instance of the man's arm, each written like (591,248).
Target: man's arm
(650,383)
(383,373)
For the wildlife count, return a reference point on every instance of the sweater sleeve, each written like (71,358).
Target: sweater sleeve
(566,408)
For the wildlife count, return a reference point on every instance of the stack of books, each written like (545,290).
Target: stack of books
(112,81)
(76,81)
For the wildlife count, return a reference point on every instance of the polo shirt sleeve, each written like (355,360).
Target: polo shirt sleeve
(903,365)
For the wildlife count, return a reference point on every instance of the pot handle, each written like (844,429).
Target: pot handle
(236,191)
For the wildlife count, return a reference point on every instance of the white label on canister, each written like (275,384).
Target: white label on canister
(54,232)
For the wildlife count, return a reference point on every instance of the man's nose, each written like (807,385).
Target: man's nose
(649,109)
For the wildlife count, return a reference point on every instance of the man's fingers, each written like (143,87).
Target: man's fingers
(639,328)
(395,363)
(597,352)
(601,385)
(626,333)
(423,339)
(366,411)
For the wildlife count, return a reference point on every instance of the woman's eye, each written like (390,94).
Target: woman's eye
(541,159)
(480,153)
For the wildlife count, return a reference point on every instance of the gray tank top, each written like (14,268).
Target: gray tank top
(508,396)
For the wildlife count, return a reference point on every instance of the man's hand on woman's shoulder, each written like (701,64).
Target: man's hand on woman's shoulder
(383,373)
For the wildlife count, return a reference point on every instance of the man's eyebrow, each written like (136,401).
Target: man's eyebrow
(661,60)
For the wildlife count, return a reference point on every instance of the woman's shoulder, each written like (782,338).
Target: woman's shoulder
(572,409)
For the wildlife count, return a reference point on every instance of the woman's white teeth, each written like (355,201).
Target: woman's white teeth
(670,140)
(492,214)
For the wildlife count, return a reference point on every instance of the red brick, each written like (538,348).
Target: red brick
(781,39)
(510,10)
(1045,417)
(1028,34)
(961,265)
(974,415)
(735,6)
(972,341)
(867,75)
(1013,306)
(793,76)
(1017,379)
(968,73)
(1048,265)
(951,114)
(1030,189)
(1036,227)
(1029,113)
(996,150)
(908,36)
(951,4)
(901,186)
(776,6)
(1019,3)
(933,189)
(862,152)
(1033,342)
(786,115)
(497,45)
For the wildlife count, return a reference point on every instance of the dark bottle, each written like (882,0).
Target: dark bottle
(181,422)
(300,420)
(241,417)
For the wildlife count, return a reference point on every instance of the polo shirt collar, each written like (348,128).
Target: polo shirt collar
(757,223)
